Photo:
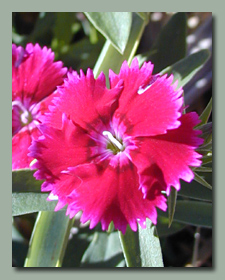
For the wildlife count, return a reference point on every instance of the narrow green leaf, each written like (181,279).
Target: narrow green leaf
(187,67)
(130,245)
(206,132)
(207,158)
(110,58)
(172,204)
(25,203)
(24,181)
(142,248)
(205,148)
(203,169)
(206,113)
(195,213)
(150,249)
(115,26)
(202,181)
(170,46)
(104,251)
(195,190)
(49,239)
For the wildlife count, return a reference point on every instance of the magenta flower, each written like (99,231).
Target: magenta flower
(34,78)
(114,153)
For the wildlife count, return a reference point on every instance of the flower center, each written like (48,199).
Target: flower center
(113,144)
(25,115)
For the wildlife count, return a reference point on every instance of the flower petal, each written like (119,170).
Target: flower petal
(112,194)
(58,149)
(20,144)
(34,74)
(173,152)
(85,100)
(16,124)
(149,105)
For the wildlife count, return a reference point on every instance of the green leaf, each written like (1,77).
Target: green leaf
(206,113)
(151,254)
(172,204)
(194,190)
(203,169)
(104,251)
(187,67)
(49,240)
(110,58)
(24,203)
(207,158)
(206,132)
(24,181)
(170,46)
(131,249)
(205,149)
(196,213)
(142,248)
(202,181)
(115,26)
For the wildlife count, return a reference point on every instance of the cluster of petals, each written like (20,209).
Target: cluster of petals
(35,77)
(114,153)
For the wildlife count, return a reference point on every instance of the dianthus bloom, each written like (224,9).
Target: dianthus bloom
(34,78)
(114,153)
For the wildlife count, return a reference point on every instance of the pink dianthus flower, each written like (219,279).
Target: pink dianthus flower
(34,78)
(115,153)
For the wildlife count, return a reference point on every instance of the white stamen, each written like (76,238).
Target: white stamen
(112,139)
(24,116)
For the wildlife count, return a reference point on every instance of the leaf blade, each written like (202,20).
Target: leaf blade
(206,113)
(172,204)
(150,249)
(115,26)
(104,251)
(186,68)
(25,203)
(131,250)
(202,181)
(49,240)
(104,62)
(196,213)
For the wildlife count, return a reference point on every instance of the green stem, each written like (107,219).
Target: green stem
(49,239)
